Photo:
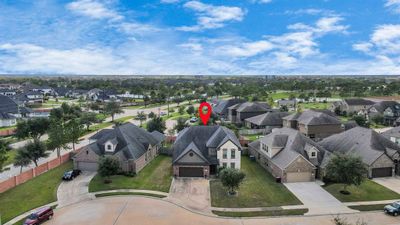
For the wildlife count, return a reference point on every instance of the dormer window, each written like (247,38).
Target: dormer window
(109,148)
(313,154)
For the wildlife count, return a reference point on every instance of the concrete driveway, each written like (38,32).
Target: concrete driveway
(130,210)
(76,190)
(392,183)
(193,193)
(316,199)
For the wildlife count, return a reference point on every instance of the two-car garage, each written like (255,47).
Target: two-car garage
(86,166)
(381,172)
(191,171)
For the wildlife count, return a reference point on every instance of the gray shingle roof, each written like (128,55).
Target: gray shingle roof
(268,119)
(8,105)
(394,132)
(133,141)
(253,107)
(360,141)
(381,106)
(203,137)
(313,117)
(358,101)
(222,106)
(6,116)
(293,144)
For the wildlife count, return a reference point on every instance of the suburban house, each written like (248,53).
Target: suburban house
(266,121)
(133,146)
(8,92)
(351,105)
(7,120)
(221,107)
(199,151)
(102,95)
(315,124)
(290,104)
(239,112)
(46,90)
(30,97)
(377,152)
(389,110)
(393,134)
(289,156)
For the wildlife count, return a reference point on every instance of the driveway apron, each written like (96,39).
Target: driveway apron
(76,190)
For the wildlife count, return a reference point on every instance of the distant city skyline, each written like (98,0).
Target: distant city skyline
(173,37)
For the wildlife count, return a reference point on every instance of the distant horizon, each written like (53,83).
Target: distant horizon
(169,37)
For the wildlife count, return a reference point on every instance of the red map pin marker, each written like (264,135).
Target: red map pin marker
(205,117)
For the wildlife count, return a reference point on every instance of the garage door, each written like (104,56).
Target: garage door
(382,172)
(298,177)
(190,171)
(87,166)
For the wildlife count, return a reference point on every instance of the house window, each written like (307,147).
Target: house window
(313,154)
(233,165)
(224,153)
(191,154)
(233,153)
(311,136)
(109,148)
(224,165)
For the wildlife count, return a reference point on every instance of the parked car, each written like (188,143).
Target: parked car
(193,119)
(70,175)
(392,209)
(43,214)
(163,113)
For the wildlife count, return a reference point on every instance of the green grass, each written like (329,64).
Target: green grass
(253,137)
(280,95)
(8,128)
(11,155)
(288,212)
(129,193)
(367,191)
(157,176)
(368,207)
(314,105)
(34,193)
(259,189)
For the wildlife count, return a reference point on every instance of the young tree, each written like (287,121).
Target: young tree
(141,116)
(22,158)
(108,166)
(36,150)
(88,118)
(151,115)
(74,130)
(146,100)
(156,124)
(180,124)
(33,128)
(181,110)
(346,169)
(231,179)
(3,158)
(57,137)
(190,110)
(113,108)
(361,121)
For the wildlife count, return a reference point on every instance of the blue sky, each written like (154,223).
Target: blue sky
(247,37)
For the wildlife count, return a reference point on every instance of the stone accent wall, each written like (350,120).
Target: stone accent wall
(299,165)
(381,162)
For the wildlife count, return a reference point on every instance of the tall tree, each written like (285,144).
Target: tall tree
(88,118)
(180,124)
(141,116)
(33,128)
(22,158)
(347,170)
(74,130)
(57,137)
(156,124)
(36,150)
(113,108)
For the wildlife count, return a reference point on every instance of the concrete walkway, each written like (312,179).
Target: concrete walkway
(392,183)
(76,190)
(316,199)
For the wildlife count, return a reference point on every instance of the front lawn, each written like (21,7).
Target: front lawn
(367,191)
(157,175)
(11,156)
(314,105)
(282,212)
(259,189)
(39,191)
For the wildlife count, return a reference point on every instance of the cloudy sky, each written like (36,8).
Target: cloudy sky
(230,37)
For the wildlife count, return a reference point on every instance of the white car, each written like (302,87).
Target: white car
(193,119)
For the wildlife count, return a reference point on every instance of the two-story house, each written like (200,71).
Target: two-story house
(220,109)
(393,134)
(241,111)
(199,151)
(133,146)
(289,155)
(389,110)
(315,124)
(351,105)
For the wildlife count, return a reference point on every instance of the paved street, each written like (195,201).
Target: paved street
(124,210)
(316,199)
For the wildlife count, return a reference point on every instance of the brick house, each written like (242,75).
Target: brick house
(200,150)
(289,155)
(379,153)
(133,146)
(315,124)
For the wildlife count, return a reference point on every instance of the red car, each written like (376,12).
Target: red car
(40,216)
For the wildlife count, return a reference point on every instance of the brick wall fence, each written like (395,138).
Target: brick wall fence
(7,132)
(31,173)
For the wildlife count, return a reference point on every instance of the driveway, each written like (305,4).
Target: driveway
(142,210)
(76,190)
(193,193)
(392,183)
(316,199)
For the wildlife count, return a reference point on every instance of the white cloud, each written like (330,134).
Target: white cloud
(247,49)
(394,5)
(211,17)
(323,25)
(260,1)
(363,47)
(384,40)
(93,9)
(169,1)
(311,11)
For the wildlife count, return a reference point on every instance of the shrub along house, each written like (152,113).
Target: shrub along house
(131,145)
(377,152)
(289,155)
(200,150)
(315,124)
